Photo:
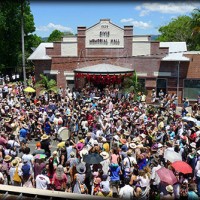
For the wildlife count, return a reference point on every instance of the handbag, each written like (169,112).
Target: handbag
(16,176)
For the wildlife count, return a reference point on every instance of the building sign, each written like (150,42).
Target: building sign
(105,35)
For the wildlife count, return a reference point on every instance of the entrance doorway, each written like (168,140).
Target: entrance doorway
(161,84)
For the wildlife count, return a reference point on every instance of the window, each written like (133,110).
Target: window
(161,85)
(191,89)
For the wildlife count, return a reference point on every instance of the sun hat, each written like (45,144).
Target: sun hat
(7,158)
(198,152)
(193,144)
(25,160)
(132,145)
(126,133)
(160,145)
(80,168)
(44,137)
(170,188)
(72,154)
(55,153)
(89,134)
(15,162)
(104,154)
(83,152)
(57,113)
(142,135)
(116,137)
(103,139)
(7,120)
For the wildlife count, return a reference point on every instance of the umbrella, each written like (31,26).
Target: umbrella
(29,89)
(181,166)
(172,156)
(189,119)
(166,176)
(40,156)
(93,158)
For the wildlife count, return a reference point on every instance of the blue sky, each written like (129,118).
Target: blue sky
(146,17)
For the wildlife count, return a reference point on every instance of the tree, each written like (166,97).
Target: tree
(46,85)
(55,36)
(10,33)
(131,84)
(195,27)
(178,30)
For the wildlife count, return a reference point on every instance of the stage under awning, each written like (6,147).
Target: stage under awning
(103,74)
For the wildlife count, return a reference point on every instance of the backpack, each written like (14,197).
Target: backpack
(26,169)
(16,176)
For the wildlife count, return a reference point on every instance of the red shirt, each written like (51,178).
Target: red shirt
(58,183)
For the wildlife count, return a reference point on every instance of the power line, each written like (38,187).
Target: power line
(146,56)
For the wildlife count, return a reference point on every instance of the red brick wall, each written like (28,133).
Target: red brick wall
(193,69)
(55,51)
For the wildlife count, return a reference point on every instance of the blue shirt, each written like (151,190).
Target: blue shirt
(23,132)
(114,173)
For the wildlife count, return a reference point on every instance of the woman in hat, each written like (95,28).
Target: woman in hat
(59,179)
(45,144)
(106,162)
(12,171)
(79,178)
(170,193)
(6,167)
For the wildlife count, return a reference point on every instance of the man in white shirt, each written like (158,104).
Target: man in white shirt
(154,176)
(42,181)
(126,192)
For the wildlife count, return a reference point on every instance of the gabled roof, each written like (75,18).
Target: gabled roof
(176,51)
(104,20)
(40,52)
(104,68)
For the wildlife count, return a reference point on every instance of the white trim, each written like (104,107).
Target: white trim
(50,72)
(68,73)
(141,74)
(162,73)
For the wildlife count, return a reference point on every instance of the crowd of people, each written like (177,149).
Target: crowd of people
(131,137)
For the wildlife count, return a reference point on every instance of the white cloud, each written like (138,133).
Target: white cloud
(52,26)
(138,24)
(167,8)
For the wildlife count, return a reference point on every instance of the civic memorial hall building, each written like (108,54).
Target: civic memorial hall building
(106,53)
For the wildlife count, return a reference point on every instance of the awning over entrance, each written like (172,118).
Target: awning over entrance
(102,74)
(104,69)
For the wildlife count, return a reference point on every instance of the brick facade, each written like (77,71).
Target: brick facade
(149,65)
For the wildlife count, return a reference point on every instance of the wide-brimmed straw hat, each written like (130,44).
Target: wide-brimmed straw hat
(83,152)
(7,158)
(132,145)
(104,154)
(15,163)
(81,168)
(44,137)
(170,188)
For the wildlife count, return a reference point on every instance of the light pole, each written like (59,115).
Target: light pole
(178,69)
(22,34)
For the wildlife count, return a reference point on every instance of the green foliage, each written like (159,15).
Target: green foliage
(178,30)
(195,27)
(131,84)
(10,33)
(46,85)
(55,36)
(183,28)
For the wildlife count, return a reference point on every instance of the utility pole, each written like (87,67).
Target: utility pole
(22,34)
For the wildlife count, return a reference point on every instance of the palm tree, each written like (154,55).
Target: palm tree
(46,85)
(131,84)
